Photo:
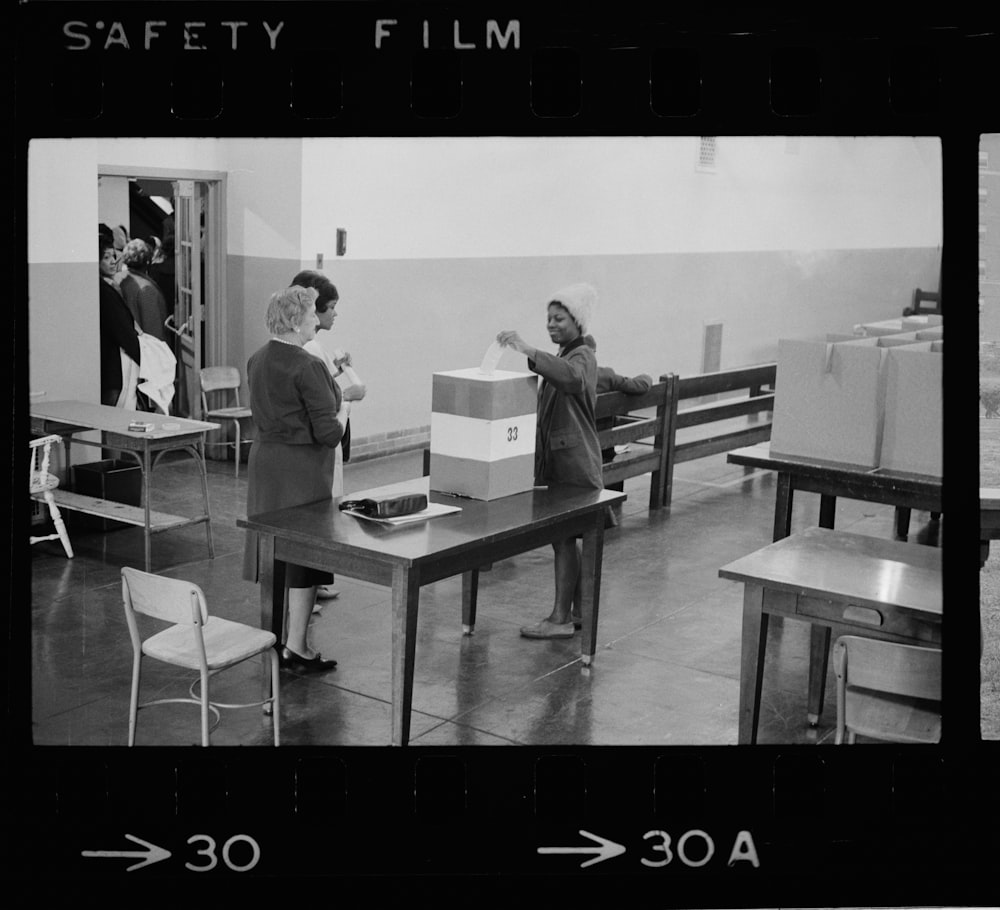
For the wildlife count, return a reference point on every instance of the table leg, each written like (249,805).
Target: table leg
(902,522)
(984,552)
(783,506)
(200,458)
(146,471)
(754,642)
(271,577)
(827,510)
(405,603)
(470,594)
(819,662)
(590,587)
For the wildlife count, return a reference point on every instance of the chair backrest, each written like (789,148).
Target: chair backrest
(888,667)
(215,379)
(171,599)
(40,450)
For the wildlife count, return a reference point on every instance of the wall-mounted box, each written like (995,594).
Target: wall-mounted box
(483,432)
(914,409)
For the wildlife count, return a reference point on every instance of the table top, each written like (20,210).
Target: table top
(87,415)
(855,568)
(760,456)
(322,523)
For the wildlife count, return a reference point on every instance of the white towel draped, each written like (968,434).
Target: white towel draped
(157,369)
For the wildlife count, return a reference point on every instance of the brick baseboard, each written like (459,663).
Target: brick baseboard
(378,445)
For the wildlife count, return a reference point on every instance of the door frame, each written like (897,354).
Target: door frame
(215,302)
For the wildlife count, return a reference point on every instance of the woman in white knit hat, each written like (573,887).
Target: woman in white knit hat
(566,445)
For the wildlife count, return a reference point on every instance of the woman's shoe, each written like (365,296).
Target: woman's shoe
(326,592)
(289,660)
(546,629)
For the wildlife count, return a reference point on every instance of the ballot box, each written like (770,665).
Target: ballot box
(483,432)
(914,409)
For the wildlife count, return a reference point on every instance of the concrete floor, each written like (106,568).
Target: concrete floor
(666,670)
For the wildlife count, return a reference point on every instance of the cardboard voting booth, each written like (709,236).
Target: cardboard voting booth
(483,432)
(914,409)
(833,401)
(829,400)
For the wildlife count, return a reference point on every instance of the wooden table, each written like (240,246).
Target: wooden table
(407,557)
(67,418)
(830,480)
(849,584)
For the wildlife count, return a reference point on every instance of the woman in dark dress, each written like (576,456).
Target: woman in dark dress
(299,417)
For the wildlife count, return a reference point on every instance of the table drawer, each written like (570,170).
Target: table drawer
(885,619)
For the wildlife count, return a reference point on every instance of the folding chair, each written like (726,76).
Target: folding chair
(195,641)
(887,691)
(225,379)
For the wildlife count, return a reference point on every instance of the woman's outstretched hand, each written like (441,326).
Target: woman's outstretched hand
(515,341)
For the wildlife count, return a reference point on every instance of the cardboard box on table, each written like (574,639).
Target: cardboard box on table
(914,409)
(483,432)
(829,401)
(895,326)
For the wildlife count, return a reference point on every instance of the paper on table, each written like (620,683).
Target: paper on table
(491,358)
(433,510)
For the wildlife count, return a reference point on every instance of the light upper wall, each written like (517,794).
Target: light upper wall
(496,197)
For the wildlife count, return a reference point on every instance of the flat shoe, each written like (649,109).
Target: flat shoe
(289,660)
(546,629)
(325,592)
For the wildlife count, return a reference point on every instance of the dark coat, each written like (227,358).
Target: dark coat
(117,332)
(295,405)
(566,445)
(146,303)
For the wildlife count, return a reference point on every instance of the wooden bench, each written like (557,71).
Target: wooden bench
(758,381)
(646,436)
(118,511)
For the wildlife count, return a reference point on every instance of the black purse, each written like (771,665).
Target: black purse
(387,506)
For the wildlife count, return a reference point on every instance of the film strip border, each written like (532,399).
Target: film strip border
(369,68)
(912,825)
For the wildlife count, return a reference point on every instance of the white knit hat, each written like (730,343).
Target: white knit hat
(580,300)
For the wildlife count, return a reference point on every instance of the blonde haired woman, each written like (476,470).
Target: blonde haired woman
(299,416)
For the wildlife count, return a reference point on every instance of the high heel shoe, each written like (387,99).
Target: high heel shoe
(289,660)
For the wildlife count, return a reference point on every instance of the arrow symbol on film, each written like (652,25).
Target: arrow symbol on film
(152,853)
(605,849)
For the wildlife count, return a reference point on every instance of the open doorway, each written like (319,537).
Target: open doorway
(180,216)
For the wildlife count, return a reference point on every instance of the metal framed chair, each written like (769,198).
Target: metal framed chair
(195,641)
(887,691)
(225,380)
(41,483)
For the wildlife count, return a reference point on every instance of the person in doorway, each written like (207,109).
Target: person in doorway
(299,416)
(327,299)
(142,295)
(566,444)
(118,332)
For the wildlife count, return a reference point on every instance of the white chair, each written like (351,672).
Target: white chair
(196,641)
(41,483)
(225,379)
(887,691)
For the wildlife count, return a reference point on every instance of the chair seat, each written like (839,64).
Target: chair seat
(41,482)
(226,643)
(230,412)
(897,718)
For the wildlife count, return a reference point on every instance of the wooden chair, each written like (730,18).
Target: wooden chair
(225,379)
(195,641)
(887,691)
(41,483)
